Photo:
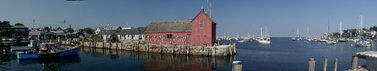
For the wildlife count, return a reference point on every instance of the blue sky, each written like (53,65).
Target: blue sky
(280,17)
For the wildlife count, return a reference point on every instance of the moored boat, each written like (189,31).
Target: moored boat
(66,52)
(264,41)
(242,40)
(331,42)
(342,40)
(362,42)
(48,50)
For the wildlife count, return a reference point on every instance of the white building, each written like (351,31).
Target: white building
(126,35)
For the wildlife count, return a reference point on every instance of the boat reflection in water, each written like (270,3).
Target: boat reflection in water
(167,62)
(65,59)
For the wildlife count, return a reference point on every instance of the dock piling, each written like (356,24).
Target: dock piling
(325,65)
(311,64)
(336,64)
(237,66)
(354,62)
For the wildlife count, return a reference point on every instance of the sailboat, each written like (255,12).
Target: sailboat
(264,40)
(341,39)
(293,37)
(298,34)
(362,42)
(307,35)
(329,41)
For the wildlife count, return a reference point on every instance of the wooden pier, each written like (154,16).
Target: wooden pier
(369,56)
(216,50)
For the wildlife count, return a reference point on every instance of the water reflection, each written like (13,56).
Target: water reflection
(51,64)
(65,60)
(165,62)
(4,57)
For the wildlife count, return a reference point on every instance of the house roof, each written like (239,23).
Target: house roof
(122,32)
(169,26)
(107,32)
(110,28)
(130,32)
(35,33)
(59,32)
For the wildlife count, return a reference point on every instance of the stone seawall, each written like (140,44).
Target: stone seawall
(217,50)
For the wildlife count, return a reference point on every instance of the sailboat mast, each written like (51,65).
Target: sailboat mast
(261,32)
(298,33)
(340,29)
(361,25)
(328,25)
(293,34)
(307,32)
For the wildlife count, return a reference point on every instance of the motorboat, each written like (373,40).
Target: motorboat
(47,50)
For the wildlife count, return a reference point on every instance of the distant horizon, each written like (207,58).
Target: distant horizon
(281,18)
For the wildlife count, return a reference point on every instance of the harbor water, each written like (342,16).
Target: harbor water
(281,55)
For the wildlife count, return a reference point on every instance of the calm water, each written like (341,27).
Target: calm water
(281,55)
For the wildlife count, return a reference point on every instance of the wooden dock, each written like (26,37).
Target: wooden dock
(371,61)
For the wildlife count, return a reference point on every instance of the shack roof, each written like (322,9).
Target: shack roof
(366,53)
(169,26)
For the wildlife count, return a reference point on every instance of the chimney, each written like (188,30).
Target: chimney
(202,9)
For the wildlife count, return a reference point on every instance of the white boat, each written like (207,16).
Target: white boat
(242,40)
(352,40)
(341,39)
(293,37)
(298,34)
(308,38)
(263,40)
(362,42)
(331,42)
(323,40)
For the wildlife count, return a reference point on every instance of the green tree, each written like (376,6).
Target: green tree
(374,28)
(3,32)
(365,29)
(89,30)
(18,24)
(70,30)
(334,35)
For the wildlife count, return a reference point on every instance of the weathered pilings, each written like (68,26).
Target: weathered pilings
(336,64)
(325,65)
(311,64)
(354,62)
(187,49)
(237,66)
(234,48)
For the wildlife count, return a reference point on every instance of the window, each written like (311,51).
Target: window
(169,36)
(201,24)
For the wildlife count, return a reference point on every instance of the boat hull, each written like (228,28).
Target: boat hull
(264,41)
(49,55)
